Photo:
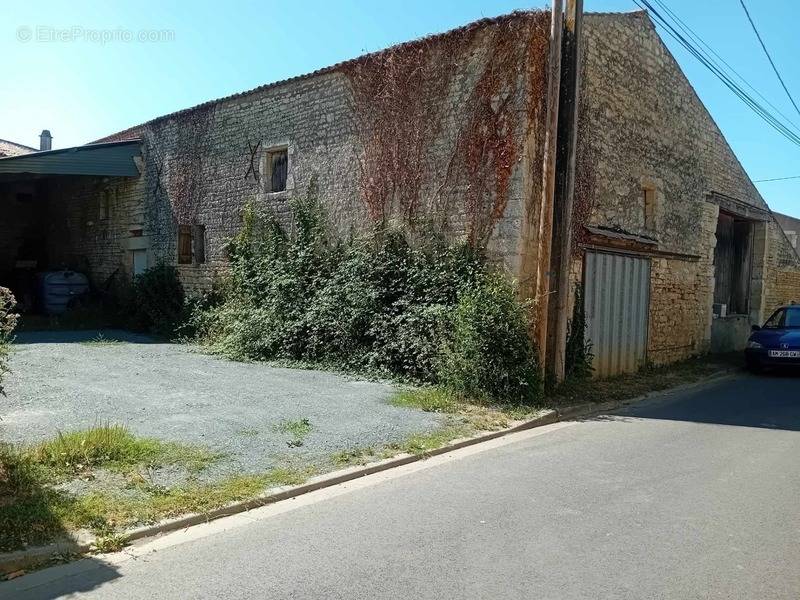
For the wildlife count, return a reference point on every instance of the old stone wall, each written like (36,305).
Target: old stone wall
(643,128)
(89,223)
(202,165)
(782,280)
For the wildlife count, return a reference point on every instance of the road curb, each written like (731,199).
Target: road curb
(82,543)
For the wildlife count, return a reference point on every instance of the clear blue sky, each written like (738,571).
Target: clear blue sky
(82,89)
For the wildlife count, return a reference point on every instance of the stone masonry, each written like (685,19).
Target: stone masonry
(648,129)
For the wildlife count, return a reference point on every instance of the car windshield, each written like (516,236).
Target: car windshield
(784,318)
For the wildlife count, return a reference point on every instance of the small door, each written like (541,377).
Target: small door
(139,261)
(617,304)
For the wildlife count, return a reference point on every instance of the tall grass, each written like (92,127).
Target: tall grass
(113,447)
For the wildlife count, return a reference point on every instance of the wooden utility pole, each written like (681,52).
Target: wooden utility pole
(545,229)
(558,317)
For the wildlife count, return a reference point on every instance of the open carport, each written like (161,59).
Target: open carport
(62,210)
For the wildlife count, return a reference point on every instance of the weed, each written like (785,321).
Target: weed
(101,340)
(422,443)
(353,456)
(298,429)
(113,542)
(429,399)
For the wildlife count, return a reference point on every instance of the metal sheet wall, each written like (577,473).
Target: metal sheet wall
(617,303)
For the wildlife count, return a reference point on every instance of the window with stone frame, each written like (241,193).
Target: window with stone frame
(277,169)
(650,207)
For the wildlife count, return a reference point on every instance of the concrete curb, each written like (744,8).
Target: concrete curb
(82,543)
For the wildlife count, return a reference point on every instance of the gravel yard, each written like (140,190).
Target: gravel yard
(257,415)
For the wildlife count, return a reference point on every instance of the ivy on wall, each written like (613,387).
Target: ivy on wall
(403,96)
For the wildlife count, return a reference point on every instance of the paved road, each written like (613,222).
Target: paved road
(695,495)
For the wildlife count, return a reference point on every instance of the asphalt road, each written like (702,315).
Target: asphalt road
(693,495)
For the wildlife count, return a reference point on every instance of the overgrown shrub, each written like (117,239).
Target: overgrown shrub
(156,301)
(370,303)
(8,321)
(489,352)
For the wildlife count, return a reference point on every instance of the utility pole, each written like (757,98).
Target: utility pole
(545,229)
(561,256)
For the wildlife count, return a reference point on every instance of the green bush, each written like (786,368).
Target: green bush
(8,322)
(366,304)
(489,352)
(156,301)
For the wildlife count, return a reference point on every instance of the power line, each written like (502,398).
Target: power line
(700,40)
(720,73)
(776,179)
(764,47)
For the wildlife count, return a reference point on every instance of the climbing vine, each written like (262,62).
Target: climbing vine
(585,177)
(405,96)
(398,103)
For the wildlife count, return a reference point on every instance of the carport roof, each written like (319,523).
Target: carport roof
(110,159)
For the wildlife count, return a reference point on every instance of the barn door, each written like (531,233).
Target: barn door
(617,301)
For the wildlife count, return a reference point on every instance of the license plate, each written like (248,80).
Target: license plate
(784,353)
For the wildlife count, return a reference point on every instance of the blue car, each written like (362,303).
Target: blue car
(777,343)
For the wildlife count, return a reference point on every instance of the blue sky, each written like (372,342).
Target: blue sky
(82,88)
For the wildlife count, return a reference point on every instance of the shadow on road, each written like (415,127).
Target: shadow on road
(770,401)
(83,336)
(62,581)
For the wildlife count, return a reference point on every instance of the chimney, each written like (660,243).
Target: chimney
(45,140)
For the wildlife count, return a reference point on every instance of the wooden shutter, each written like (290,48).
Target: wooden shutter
(184,244)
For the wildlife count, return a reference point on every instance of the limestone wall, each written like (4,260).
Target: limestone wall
(644,127)
(202,165)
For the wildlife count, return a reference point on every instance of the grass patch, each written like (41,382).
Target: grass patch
(115,448)
(481,416)
(298,429)
(106,512)
(422,443)
(33,512)
(646,380)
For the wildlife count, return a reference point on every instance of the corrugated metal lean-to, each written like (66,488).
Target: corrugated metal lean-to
(617,302)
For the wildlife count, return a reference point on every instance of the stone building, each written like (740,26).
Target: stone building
(791,227)
(444,133)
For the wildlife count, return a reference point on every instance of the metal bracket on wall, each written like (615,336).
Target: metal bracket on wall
(252,167)
(159,170)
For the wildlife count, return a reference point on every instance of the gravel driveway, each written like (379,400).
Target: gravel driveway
(67,381)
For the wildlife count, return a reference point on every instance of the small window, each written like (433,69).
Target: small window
(191,244)
(649,208)
(277,169)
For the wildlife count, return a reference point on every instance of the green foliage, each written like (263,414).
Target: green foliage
(489,353)
(114,447)
(578,361)
(367,304)
(156,301)
(8,321)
